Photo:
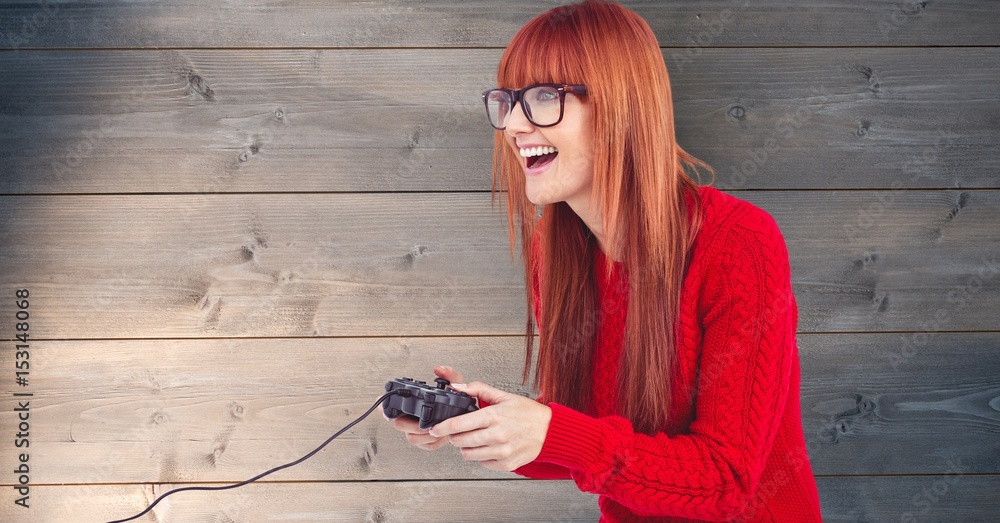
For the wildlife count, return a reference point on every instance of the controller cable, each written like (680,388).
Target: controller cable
(402,392)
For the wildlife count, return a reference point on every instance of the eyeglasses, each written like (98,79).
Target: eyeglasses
(542,103)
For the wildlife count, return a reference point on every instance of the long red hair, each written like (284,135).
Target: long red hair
(639,187)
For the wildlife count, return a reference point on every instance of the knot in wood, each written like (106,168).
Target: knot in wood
(916,8)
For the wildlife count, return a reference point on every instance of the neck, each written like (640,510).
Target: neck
(591,218)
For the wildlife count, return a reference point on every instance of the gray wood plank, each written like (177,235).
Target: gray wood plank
(210,121)
(137,411)
(252,326)
(942,498)
(844,500)
(901,402)
(150,266)
(511,500)
(226,410)
(431,23)
(262,265)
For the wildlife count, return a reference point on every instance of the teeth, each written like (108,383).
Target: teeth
(537,151)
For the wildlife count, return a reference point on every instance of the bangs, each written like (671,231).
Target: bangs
(546,50)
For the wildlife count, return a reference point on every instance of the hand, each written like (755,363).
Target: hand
(409,425)
(506,435)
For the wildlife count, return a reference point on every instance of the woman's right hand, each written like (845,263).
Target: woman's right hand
(409,426)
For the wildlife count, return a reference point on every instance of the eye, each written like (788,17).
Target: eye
(543,95)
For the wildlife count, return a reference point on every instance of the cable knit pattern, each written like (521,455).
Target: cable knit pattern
(733,447)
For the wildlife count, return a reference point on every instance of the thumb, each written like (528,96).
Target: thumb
(482,391)
(449,374)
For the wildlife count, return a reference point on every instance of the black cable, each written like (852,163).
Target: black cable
(275,469)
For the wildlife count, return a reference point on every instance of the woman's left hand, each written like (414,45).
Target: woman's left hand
(506,435)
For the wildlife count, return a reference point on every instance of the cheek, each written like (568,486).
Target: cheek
(579,168)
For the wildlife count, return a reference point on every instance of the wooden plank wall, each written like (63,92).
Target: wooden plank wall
(236,221)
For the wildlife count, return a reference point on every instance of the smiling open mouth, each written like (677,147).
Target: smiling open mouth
(539,156)
(541,160)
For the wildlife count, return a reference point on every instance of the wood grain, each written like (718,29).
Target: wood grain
(866,396)
(844,500)
(434,23)
(137,411)
(238,220)
(153,266)
(951,497)
(510,500)
(210,121)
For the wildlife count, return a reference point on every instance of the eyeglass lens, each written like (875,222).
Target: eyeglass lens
(541,104)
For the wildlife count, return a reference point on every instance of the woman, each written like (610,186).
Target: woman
(667,368)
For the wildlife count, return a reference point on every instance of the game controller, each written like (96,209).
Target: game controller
(431,405)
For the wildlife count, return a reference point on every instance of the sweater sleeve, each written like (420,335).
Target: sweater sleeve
(711,471)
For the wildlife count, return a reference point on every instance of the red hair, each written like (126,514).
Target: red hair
(639,186)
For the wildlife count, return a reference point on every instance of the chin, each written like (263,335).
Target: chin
(539,196)
(537,200)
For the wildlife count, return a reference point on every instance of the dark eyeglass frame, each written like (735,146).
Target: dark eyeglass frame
(515,96)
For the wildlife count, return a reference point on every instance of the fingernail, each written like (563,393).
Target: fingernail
(459,385)
(431,432)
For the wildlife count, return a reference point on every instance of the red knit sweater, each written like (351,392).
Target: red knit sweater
(734,451)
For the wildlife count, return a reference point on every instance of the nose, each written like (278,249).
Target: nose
(517,122)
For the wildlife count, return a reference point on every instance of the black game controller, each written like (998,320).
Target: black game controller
(431,405)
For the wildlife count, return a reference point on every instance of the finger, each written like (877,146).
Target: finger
(483,391)
(408,424)
(478,453)
(434,446)
(449,374)
(472,438)
(422,439)
(479,419)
